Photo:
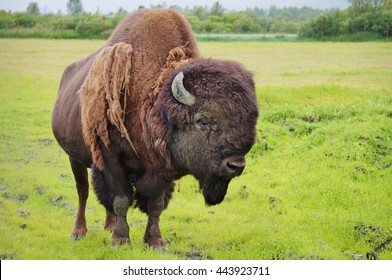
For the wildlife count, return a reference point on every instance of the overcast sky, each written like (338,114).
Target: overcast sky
(107,6)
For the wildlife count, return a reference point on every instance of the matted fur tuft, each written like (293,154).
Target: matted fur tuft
(105,88)
(177,57)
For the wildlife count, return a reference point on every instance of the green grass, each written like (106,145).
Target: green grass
(43,33)
(318,184)
(232,37)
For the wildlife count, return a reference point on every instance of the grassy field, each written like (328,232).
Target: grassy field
(318,184)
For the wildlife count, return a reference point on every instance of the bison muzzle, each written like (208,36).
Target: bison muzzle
(145,110)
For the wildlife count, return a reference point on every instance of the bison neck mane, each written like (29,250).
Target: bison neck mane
(176,58)
(155,132)
(106,97)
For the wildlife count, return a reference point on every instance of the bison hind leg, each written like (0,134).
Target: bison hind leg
(81,179)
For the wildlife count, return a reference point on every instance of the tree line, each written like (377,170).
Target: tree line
(363,17)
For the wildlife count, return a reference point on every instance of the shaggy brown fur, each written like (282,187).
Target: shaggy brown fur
(176,58)
(103,98)
(154,129)
(103,95)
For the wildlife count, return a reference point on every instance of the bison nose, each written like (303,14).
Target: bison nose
(232,166)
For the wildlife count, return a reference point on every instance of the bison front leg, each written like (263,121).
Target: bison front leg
(115,195)
(114,192)
(153,236)
(121,228)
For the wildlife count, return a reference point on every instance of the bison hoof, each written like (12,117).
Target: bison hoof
(119,241)
(157,243)
(78,234)
(109,227)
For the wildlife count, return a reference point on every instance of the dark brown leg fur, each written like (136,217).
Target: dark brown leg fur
(81,179)
(153,236)
(110,221)
(121,228)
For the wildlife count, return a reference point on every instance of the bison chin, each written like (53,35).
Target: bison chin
(214,191)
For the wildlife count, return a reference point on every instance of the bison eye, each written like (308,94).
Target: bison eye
(204,123)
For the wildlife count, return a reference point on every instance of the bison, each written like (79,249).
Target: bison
(145,110)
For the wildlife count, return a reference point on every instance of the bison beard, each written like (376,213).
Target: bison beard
(214,191)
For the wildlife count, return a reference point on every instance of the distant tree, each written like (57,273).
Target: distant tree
(200,12)
(158,6)
(122,11)
(245,24)
(195,23)
(273,11)
(33,8)
(6,20)
(75,7)
(364,6)
(176,7)
(256,12)
(217,9)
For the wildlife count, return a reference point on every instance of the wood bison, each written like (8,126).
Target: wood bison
(146,110)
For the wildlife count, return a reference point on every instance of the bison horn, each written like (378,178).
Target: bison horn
(180,93)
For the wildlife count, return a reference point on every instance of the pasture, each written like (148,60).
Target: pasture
(318,184)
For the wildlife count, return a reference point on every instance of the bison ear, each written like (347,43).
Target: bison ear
(180,93)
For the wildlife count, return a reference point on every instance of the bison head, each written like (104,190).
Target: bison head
(210,110)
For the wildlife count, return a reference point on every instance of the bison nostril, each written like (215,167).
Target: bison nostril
(233,166)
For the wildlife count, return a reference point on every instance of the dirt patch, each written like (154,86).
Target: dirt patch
(19,197)
(45,142)
(58,201)
(194,254)
(379,249)
(311,119)
(307,258)
(23,213)
(40,190)
(65,177)
(378,238)
(244,193)
(7,257)
(276,205)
